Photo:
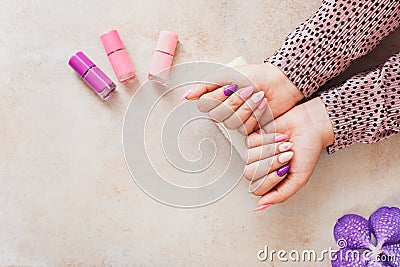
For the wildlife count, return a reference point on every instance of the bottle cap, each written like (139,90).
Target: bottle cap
(167,42)
(111,41)
(80,63)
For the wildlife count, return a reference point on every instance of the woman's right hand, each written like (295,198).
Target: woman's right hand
(310,130)
(279,91)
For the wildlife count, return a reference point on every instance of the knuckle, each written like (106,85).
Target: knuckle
(230,124)
(257,120)
(245,156)
(200,106)
(216,115)
(247,108)
(248,140)
(302,183)
(247,129)
(262,187)
(248,174)
(268,162)
(259,190)
(258,193)
(274,179)
(281,200)
(242,131)
(203,104)
(214,118)
(232,103)
(249,125)
(284,199)
(270,149)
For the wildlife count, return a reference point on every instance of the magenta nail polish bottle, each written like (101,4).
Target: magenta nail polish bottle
(92,75)
(118,56)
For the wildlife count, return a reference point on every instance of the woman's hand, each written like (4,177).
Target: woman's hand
(240,110)
(279,91)
(267,161)
(310,130)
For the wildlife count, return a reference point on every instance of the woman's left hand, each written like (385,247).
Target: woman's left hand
(240,110)
(225,96)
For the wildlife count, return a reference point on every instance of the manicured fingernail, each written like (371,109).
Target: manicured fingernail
(230,89)
(246,92)
(263,207)
(285,157)
(281,137)
(186,94)
(257,96)
(283,170)
(285,146)
(262,104)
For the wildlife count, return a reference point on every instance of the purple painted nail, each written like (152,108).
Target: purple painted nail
(230,89)
(283,170)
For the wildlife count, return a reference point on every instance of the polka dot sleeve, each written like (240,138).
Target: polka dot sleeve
(366,108)
(340,32)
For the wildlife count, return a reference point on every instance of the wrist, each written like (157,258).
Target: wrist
(288,89)
(320,120)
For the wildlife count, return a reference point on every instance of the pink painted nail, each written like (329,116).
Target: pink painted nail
(262,104)
(281,137)
(246,92)
(186,94)
(263,207)
(285,146)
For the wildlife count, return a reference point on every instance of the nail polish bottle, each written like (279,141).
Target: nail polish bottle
(118,56)
(163,55)
(92,75)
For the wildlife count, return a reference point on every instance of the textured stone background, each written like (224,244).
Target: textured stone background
(66,196)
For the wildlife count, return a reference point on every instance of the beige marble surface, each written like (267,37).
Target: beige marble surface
(66,196)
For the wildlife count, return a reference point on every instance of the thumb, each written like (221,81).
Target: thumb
(284,190)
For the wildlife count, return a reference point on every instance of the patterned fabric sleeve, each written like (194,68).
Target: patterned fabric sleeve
(366,108)
(340,32)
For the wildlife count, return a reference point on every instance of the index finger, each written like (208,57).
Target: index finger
(224,76)
(211,82)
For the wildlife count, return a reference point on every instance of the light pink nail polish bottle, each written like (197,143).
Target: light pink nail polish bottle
(163,55)
(118,56)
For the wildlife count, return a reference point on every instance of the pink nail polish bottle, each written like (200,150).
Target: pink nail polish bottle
(118,56)
(163,55)
(92,75)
